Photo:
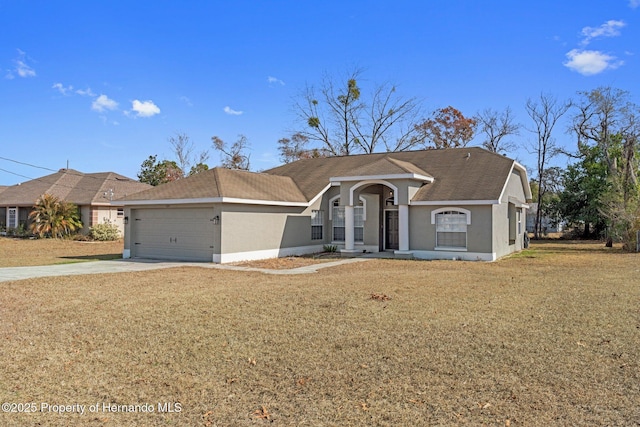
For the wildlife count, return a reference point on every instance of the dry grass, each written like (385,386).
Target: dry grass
(25,252)
(548,337)
(288,262)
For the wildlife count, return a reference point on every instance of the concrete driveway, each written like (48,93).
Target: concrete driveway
(127,266)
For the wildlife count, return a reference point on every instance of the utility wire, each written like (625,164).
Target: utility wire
(27,164)
(56,183)
(69,171)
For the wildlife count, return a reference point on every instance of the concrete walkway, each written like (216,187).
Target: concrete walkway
(127,266)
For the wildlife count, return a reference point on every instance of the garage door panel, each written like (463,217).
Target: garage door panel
(184,234)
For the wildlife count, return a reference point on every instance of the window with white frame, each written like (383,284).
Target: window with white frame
(519,213)
(13,218)
(358,223)
(317,225)
(337,219)
(451,229)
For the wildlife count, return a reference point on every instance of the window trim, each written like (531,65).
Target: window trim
(332,202)
(467,214)
(317,220)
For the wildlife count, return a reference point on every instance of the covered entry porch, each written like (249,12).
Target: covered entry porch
(394,192)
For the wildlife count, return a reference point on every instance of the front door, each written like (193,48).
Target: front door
(391,230)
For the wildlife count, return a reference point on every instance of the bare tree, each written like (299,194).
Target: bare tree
(343,121)
(545,113)
(388,120)
(497,126)
(183,148)
(295,148)
(234,157)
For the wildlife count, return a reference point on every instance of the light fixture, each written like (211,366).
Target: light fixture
(216,220)
(126,220)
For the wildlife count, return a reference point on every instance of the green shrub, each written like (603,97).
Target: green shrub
(330,248)
(104,232)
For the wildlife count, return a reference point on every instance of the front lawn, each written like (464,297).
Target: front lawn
(550,338)
(25,252)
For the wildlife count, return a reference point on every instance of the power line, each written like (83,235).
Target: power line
(27,164)
(56,183)
(69,171)
(16,174)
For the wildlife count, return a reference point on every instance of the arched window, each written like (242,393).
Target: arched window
(451,227)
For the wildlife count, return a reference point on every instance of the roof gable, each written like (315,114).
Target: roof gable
(386,166)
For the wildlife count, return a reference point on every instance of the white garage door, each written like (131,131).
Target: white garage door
(180,234)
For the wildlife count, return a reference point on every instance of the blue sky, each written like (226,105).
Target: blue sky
(103,85)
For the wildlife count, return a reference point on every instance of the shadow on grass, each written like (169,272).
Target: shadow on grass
(100,257)
(572,246)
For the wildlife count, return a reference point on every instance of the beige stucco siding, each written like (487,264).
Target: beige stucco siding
(246,232)
(503,212)
(247,228)
(422,234)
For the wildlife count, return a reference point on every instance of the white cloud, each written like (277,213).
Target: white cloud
(22,69)
(590,62)
(274,80)
(70,91)
(103,103)
(87,92)
(610,28)
(145,108)
(634,3)
(232,112)
(63,90)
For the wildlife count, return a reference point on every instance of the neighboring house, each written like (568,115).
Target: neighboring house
(549,224)
(92,192)
(465,203)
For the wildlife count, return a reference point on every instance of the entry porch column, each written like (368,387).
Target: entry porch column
(349,234)
(403,230)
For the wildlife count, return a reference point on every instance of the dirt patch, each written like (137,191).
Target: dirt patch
(548,339)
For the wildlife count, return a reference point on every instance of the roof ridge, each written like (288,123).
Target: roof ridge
(216,180)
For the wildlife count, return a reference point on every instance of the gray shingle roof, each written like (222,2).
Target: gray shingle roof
(221,182)
(72,186)
(459,174)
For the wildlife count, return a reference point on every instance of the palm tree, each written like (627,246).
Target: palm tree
(52,217)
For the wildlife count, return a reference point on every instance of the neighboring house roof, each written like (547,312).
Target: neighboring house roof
(72,186)
(472,174)
(2,188)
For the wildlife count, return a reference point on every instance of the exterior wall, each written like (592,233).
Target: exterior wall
(422,234)
(505,218)
(92,215)
(257,232)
